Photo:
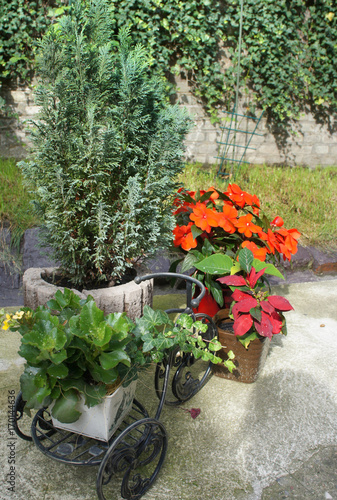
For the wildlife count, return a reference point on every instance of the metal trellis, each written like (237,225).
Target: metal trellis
(228,154)
(229,149)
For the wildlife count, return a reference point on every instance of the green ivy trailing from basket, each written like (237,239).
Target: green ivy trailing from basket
(289,59)
(71,350)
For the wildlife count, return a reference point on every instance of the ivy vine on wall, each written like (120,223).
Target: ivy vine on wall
(22,22)
(289,51)
(289,55)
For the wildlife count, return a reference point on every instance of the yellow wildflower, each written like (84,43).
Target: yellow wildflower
(18,315)
(330,16)
(6,322)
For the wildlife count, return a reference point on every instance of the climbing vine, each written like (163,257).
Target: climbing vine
(183,37)
(289,49)
(289,54)
(22,22)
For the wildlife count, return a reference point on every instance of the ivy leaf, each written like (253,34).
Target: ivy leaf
(148,345)
(185,321)
(231,355)
(229,365)
(155,318)
(215,345)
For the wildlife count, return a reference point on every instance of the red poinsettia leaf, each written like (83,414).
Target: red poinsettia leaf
(240,295)
(267,307)
(232,280)
(254,276)
(264,327)
(277,322)
(242,324)
(244,305)
(280,303)
(195,412)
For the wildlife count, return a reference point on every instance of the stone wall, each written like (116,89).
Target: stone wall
(312,145)
(14,136)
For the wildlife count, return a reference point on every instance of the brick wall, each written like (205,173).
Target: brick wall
(312,145)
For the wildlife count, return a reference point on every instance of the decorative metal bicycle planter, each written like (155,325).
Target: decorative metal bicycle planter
(134,455)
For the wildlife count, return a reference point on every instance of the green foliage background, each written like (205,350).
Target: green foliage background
(289,48)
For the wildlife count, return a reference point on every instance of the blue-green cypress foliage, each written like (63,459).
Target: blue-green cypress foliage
(107,148)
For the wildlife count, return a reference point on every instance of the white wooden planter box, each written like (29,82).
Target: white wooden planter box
(101,421)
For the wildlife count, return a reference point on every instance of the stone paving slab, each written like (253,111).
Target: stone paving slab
(274,439)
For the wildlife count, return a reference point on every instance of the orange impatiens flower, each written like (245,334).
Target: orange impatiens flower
(271,240)
(277,222)
(227,218)
(258,253)
(255,204)
(246,226)
(287,239)
(184,237)
(239,197)
(214,195)
(204,217)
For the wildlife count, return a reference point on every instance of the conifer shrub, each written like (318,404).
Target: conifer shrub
(107,148)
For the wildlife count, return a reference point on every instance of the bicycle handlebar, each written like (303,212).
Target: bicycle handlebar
(194,302)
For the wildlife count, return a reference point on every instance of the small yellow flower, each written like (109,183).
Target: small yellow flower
(18,315)
(330,16)
(5,326)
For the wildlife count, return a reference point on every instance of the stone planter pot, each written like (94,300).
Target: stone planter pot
(130,298)
(249,362)
(102,420)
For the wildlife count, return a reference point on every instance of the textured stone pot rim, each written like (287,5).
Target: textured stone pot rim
(129,297)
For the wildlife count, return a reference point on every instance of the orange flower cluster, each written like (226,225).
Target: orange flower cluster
(230,220)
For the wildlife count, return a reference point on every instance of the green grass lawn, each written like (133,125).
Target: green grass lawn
(304,198)
(15,201)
